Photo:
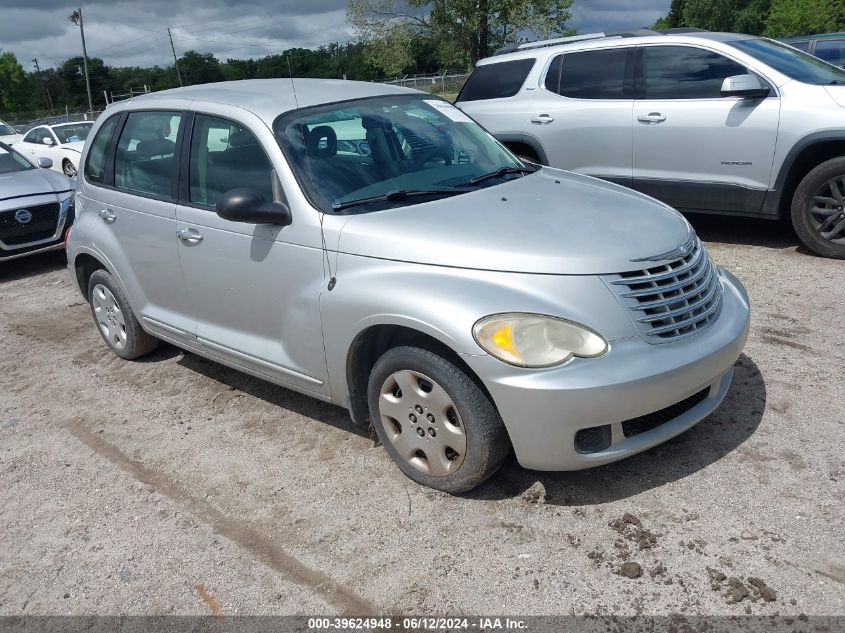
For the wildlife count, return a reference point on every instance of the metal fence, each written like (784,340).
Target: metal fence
(447,85)
(23,121)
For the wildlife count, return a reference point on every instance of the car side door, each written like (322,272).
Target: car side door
(694,148)
(581,112)
(130,183)
(498,96)
(32,145)
(254,288)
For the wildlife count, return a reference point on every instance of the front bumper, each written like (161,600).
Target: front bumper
(544,409)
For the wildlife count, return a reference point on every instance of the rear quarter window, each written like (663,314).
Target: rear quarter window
(496,81)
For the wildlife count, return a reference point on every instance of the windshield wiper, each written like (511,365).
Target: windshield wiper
(400,194)
(503,171)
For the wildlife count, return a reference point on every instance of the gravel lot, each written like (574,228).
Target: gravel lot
(176,486)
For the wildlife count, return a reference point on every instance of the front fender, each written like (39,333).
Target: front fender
(445,303)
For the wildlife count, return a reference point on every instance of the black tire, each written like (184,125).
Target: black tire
(68,169)
(137,342)
(487,443)
(804,222)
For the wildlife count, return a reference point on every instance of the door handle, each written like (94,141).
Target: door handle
(651,118)
(189,235)
(542,119)
(107,216)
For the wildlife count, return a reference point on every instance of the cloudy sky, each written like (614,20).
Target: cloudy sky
(133,32)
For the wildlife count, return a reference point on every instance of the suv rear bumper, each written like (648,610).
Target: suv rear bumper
(543,410)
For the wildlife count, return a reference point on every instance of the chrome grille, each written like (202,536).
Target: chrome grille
(671,300)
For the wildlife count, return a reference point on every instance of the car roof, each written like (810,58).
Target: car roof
(631,38)
(71,123)
(268,98)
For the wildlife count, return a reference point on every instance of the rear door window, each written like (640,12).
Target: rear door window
(496,81)
(144,160)
(686,72)
(95,164)
(603,74)
(831,51)
(225,155)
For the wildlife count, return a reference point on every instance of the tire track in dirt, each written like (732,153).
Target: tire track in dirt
(237,531)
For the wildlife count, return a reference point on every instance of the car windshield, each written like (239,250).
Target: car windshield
(6,130)
(381,152)
(72,133)
(793,63)
(11,161)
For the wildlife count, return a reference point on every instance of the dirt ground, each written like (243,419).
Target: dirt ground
(176,486)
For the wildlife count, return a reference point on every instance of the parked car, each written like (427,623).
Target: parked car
(62,143)
(418,274)
(706,122)
(8,134)
(828,46)
(36,205)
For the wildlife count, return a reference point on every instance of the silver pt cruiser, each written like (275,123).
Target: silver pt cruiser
(373,247)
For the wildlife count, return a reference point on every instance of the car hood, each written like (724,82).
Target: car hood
(551,222)
(10,139)
(76,146)
(837,93)
(32,182)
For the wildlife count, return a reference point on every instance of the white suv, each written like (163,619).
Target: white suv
(706,122)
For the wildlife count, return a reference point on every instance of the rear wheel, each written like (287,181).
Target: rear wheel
(818,209)
(115,319)
(434,421)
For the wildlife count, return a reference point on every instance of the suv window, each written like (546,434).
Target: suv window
(496,81)
(685,72)
(143,161)
(801,46)
(592,75)
(224,156)
(95,164)
(831,51)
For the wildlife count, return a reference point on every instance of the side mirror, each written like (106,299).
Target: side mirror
(43,162)
(745,87)
(247,205)
(47,140)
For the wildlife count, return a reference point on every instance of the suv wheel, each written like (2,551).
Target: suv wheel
(115,319)
(434,421)
(818,209)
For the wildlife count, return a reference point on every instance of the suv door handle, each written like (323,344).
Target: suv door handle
(189,235)
(107,216)
(542,119)
(651,118)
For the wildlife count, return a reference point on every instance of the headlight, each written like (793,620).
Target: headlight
(534,340)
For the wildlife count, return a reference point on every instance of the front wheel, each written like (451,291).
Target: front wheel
(434,421)
(68,169)
(818,209)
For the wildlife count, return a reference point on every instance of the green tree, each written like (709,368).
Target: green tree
(736,16)
(805,17)
(13,83)
(461,31)
(675,17)
(199,68)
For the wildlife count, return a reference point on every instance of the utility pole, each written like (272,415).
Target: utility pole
(175,61)
(76,18)
(43,85)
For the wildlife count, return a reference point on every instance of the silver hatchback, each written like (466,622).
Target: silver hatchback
(373,247)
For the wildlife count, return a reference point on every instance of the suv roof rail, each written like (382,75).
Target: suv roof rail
(552,42)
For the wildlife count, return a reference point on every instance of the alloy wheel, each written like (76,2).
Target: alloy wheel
(828,210)
(109,316)
(69,169)
(422,423)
